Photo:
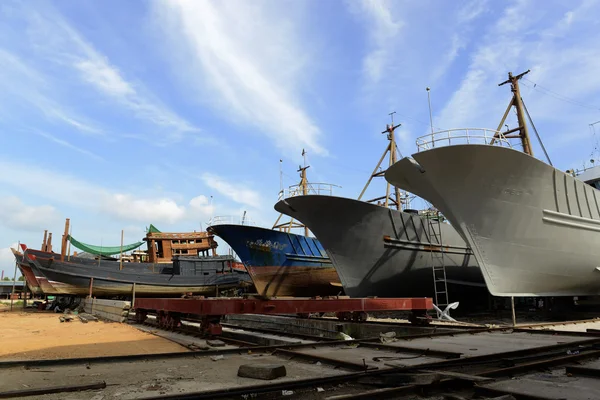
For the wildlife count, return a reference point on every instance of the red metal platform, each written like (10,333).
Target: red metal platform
(224,306)
(169,311)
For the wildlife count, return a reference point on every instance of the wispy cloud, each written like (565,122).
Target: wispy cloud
(72,49)
(250,61)
(479,102)
(68,145)
(19,82)
(234,191)
(382,27)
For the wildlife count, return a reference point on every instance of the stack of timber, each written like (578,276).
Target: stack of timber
(112,310)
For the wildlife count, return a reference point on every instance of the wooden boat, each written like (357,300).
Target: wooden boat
(27,272)
(189,276)
(280,262)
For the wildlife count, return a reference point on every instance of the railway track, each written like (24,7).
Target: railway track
(469,361)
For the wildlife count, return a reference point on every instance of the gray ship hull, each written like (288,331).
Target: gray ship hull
(533,228)
(353,234)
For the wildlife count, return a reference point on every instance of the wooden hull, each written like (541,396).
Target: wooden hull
(295,281)
(27,272)
(75,279)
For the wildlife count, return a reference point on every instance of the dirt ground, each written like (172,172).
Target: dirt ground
(40,335)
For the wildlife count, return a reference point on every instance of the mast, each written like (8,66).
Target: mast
(389,201)
(303,186)
(304,183)
(516,102)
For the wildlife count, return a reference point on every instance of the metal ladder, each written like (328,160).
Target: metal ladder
(437,262)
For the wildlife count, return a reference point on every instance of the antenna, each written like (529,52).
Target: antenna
(304,155)
(280,175)
(392,116)
(430,115)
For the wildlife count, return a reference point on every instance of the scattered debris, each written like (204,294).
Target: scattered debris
(387,337)
(287,392)
(215,343)
(154,386)
(262,371)
(217,358)
(85,317)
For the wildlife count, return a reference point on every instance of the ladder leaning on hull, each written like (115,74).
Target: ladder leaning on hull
(438,265)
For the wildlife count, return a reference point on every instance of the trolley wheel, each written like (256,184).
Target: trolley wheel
(344,315)
(359,316)
(140,316)
(419,317)
(303,315)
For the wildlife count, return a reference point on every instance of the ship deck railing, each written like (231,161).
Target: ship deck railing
(323,189)
(452,137)
(230,220)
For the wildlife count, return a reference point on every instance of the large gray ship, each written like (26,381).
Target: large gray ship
(378,251)
(532,227)
(381,251)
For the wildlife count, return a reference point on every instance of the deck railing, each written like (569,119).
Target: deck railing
(230,220)
(452,137)
(323,189)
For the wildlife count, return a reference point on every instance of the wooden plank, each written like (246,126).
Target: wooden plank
(114,310)
(111,303)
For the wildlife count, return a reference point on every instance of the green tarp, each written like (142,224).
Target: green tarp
(103,250)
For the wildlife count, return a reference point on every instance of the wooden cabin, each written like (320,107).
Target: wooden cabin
(162,246)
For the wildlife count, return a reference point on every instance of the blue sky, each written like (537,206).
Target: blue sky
(121,114)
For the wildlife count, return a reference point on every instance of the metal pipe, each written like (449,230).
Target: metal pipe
(430,116)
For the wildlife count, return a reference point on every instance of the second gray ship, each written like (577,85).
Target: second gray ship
(385,252)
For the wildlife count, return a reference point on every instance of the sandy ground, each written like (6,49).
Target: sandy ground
(40,335)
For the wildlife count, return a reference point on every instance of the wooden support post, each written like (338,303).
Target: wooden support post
(63,244)
(26,291)
(512,307)
(121,256)
(91,286)
(49,243)
(14,279)
(69,248)
(133,296)
(44,244)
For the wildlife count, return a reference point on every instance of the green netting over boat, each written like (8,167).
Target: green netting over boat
(103,250)
(153,229)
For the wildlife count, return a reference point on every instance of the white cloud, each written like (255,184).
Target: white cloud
(21,83)
(14,214)
(472,10)
(7,261)
(247,61)
(382,27)
(234,191)
(54,42)
(97,71)
(65,190)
